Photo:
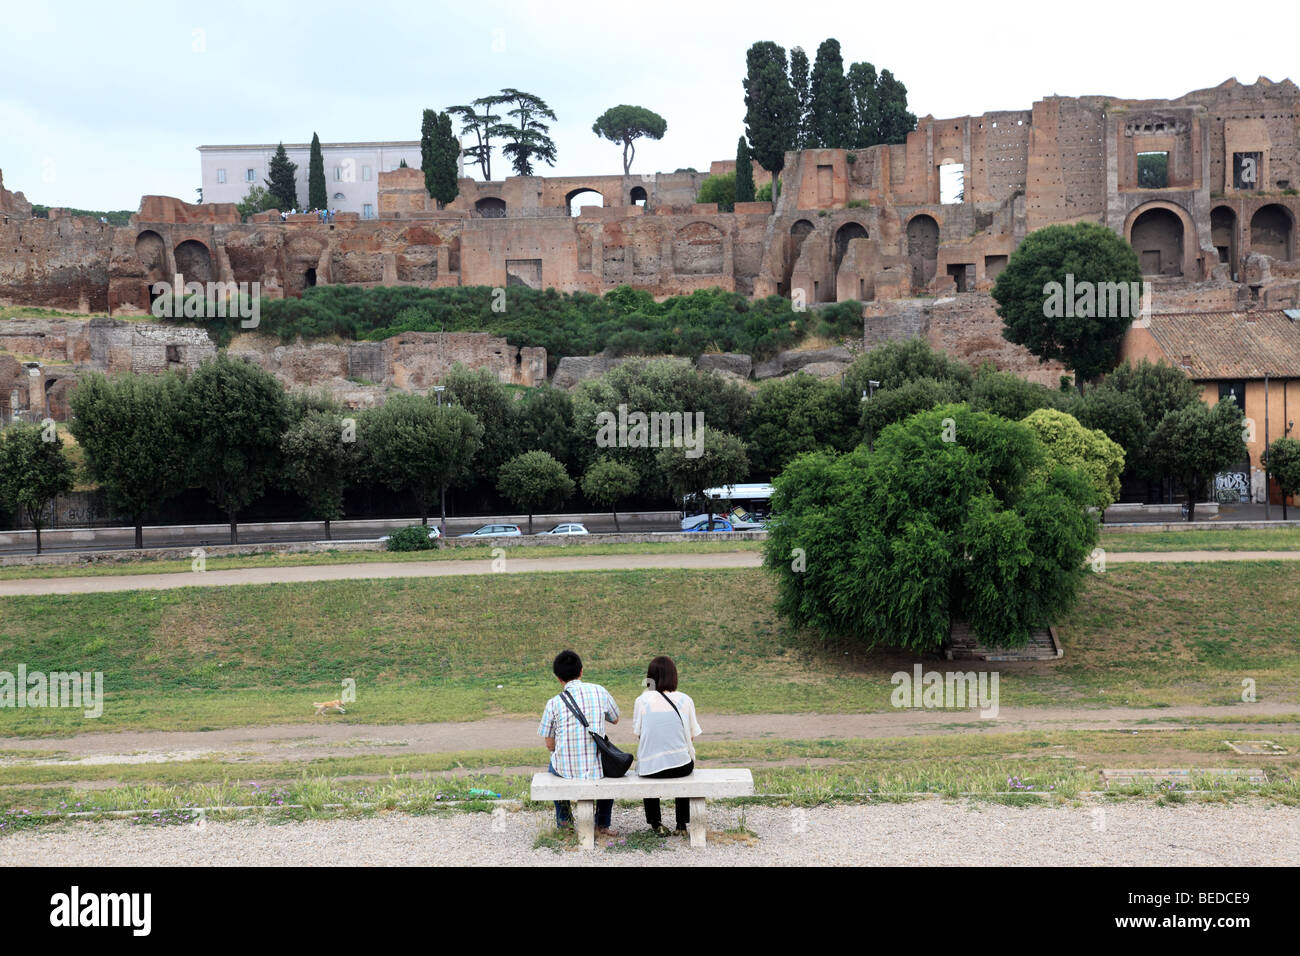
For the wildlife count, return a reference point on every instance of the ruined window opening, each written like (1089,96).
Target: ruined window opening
(638,196)
(958,273)
(173,354)
(309,277)
(1246,169)
(952,184)
(1153,170)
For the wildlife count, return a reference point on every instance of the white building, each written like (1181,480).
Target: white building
(351,171)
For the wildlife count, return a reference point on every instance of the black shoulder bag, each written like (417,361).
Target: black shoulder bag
(614,762)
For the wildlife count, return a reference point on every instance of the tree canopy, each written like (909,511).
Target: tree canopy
(771,106)
(1059,296)
(626,124)
(282,184)
(132,430)
(954,515)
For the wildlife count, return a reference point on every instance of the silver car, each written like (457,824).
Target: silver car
(494,531)
(571,527)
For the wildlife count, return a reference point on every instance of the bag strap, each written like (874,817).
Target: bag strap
(670,702)
(679,715)
(570,703)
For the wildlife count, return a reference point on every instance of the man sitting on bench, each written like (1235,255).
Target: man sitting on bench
(573,752)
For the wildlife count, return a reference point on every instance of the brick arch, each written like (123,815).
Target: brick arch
(1272,232)
(698,249)
(194,261)
(1158,230)
(845,233)
(490,207)
(577,191)
(151,250)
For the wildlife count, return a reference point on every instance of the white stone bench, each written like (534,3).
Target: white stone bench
(697,788)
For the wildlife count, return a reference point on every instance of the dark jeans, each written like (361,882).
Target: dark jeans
(681,805)
(563,818)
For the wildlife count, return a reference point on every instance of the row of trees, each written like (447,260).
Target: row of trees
(229,428)
(789,106)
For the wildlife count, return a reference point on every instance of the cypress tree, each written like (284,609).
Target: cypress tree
(744,172)
(831,119)
(771,107)
(799,80)
(317,197)
(281,185)
(441,179)
(429,149)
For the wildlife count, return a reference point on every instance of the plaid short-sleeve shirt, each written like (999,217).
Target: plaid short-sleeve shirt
(575,754)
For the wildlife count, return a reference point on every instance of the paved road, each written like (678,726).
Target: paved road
(511,565)
(378,569)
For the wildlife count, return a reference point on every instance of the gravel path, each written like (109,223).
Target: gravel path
(513,565)
(332,738)
(932,832)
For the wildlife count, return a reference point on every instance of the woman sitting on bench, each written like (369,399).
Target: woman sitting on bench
(664,720)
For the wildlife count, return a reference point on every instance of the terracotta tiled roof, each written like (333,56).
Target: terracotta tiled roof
(1225,345)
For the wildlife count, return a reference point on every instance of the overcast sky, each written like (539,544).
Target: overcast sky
(101,103)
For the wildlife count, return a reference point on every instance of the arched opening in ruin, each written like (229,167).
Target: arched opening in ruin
(698,250)
(843,236)
(309,277)
(583,196)
(798,233)
(194,261)
(1223,234)
(1271,232)
(152,253)
(639,196)
(1157,238)
(490,207)
(922,249)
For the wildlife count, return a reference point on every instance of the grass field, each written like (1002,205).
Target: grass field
(465,648)
(1235,539)
(1020,767)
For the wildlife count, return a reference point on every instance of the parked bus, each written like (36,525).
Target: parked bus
(746,506)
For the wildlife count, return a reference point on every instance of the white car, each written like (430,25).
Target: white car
(570,528)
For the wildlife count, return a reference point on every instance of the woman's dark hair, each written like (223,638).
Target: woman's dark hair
(567,666)
(662,674)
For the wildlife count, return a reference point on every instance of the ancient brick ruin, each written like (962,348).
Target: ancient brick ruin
(1213,221)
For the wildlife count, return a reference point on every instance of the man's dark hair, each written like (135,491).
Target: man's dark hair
(567,666)
(662,674)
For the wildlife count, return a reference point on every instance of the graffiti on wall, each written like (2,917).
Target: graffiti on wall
(1231,486)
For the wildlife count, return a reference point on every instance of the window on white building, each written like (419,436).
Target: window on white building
(221,175)
(365,174)
(338,174)
(368,211)
(250,175)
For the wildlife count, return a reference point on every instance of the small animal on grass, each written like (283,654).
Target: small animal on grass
(329,705)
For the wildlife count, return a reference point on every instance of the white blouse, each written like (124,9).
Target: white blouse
(664,740)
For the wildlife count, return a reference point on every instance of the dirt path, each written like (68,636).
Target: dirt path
(332,738)
(512,565)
